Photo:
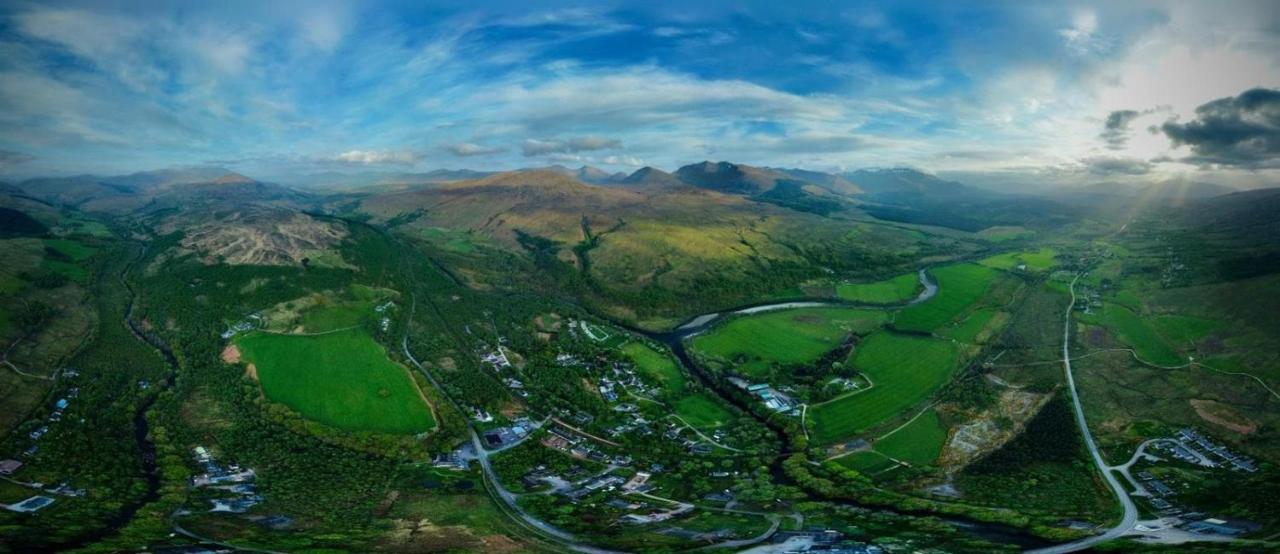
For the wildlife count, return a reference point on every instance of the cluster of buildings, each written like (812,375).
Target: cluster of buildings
(243,326)
(1190,446)
(236,481)
(1196,444)
(564,440)
(675,432)
(772,398)
(36,502)
(505,437)
(383,309)
(824,541)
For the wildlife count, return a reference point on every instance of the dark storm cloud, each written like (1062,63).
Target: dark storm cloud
(1241,131)
(1116,130)
(10,158)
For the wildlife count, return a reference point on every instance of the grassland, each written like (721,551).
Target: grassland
(905,370)
(959,286)
(1136,333)
(890,291)
(919,443)
(700,411)
(868,462)
(757,342)
(1039,260)
(656,365)
(341,379)
(970,329)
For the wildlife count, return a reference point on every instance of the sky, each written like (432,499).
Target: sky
(1011,93)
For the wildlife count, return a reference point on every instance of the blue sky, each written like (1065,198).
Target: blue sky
(991,91)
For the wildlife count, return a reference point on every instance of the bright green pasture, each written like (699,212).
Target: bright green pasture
(919,443)
(701,411)
(904,370)
(656,365)
(890,291)
(959,286)
(799,336)
(1040,260)
(341,379)
(1135,332)
(968,329)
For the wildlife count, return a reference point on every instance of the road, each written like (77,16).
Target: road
(1130,517)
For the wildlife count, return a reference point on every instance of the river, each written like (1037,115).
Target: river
(676,339)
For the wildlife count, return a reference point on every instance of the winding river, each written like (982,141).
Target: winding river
(676,340)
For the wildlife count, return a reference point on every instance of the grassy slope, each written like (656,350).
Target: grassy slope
(905,371)
(341,379)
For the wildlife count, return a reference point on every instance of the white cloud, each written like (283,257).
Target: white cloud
(466,149)
(371,157)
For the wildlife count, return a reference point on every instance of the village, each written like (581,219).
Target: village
(1159,484)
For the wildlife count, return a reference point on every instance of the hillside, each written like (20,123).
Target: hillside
(653,237)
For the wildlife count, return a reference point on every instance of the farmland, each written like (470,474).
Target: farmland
(756,343)
(905,370)
(918,443)
(970,329)
(959,286)
(341,379)
(1039,260)
(890,291)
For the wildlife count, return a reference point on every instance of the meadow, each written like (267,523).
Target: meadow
(868,462)
(656,365)
(700,411)
(756,342)
(889,291)
(1040,260)
(918,443)
(905,370)
(342,379)
(1135,332)
(959,286)
(970,329)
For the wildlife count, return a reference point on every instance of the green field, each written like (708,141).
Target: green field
(656,365)
(336,316)
(755,342)
(701,411)
(341,379)
(959,286)
(1004,234)
(890,291)
(905,370)
(1040,260)
(968,329)
(868,462)
(919,443)
(1182,329)
(1135,332)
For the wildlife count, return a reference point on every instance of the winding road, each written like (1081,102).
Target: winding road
(1130,517)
